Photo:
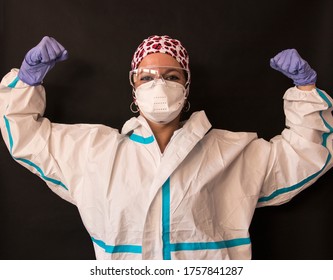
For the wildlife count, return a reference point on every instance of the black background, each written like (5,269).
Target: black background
(230,44)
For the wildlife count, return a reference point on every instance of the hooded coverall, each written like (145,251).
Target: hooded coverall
(194,201)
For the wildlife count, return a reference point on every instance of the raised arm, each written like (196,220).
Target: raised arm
(55,152)
(302,153)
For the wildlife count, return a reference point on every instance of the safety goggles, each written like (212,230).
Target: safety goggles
(144,75)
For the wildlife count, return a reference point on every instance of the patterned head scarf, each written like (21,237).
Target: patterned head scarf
(161,44)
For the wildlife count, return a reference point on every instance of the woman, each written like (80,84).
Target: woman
(162,189)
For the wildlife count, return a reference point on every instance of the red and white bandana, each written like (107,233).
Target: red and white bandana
(161,44)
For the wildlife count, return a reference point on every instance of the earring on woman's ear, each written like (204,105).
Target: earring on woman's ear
(187,106)
(134,110)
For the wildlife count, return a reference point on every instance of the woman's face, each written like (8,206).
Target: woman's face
(158,66)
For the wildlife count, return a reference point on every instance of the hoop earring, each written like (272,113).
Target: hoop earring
(132,110)
(187,106)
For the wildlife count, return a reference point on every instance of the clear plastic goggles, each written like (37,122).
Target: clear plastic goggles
(144,75)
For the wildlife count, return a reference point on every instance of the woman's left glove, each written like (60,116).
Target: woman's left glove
(40,60)
(290,63)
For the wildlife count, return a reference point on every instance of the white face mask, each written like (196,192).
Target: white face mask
(160,101)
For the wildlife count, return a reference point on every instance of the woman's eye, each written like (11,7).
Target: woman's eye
(172,78)
(146,78)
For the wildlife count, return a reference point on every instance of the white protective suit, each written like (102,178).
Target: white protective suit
(195,201)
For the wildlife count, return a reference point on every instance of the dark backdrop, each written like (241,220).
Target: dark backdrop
(230,44)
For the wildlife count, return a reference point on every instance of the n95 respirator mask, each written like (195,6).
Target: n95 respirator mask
(160,101)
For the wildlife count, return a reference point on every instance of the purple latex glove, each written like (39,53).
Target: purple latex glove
(41,59)
(290,63)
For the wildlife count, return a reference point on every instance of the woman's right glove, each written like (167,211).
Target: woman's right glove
(41,59)
(290,63)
